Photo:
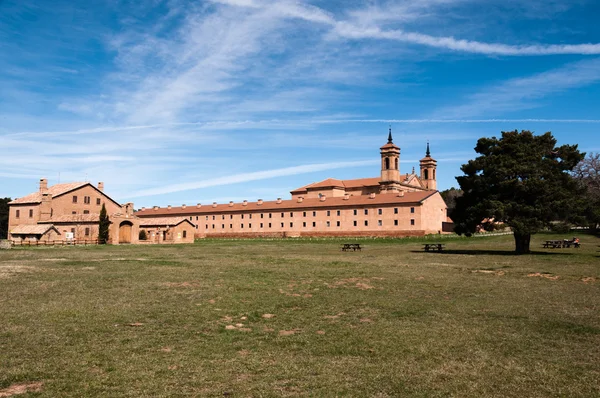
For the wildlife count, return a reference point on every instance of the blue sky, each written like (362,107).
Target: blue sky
(173,102)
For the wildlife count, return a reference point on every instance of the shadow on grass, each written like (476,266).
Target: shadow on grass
(491,252)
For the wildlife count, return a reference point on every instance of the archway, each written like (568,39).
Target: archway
(125,230)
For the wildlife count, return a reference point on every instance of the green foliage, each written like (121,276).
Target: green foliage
(143,235)
(4,217)
(449,196)
(587,173)
(521,180)
(103,227)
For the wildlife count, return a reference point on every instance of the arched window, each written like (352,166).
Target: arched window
(396,163)
(387,163)
(434,174)
(426,174)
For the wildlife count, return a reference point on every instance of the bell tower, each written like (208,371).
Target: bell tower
(390,167)
(428,168)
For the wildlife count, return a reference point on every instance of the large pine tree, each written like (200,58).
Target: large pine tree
(4,217)
(521,180)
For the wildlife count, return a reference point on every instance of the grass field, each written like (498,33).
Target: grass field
(301,318)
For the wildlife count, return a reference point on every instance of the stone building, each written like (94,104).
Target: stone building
(393,204)
(70,211)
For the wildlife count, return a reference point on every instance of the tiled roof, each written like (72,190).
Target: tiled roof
(348,184)
(55,190)
(286,205)
(162,221)
(36,229)
(73,218)
(390,145)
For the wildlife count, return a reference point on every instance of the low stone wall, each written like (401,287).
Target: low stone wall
(5,244)
(350,234)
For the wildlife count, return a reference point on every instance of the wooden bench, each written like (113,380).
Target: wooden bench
(351,246)
(557,244)
(433,247)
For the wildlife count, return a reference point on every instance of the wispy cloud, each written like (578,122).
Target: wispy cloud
(526,92)
(253,176)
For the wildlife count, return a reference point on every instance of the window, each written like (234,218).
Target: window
(339,213)
(196,226)
(74,198)
(304,224)
(269,225)
(213,226)
(222,226)
(291,225)
(87,200)
(261,225)
(87,232)
(242,226)
(207,217)
(380,223)
(30,213)
(328,213)
(196,218)
(213,217)
(242,216)
(18,214)
(303,214)
(396,222)
(412,221)
(261,215)
(395,210)
(337,223)
(185,234)
(387,163)
(314,224)
(314,213)
(354,222)
(282,215)
(366,212)
(86,212)
(328,224)
(270,215)
(230,226)
(281,225)
(291,214)
(231,216)
(73,212)
(206,226)
(98,201)
(380,211)
(249,215)
(366,223)
(412,209)
(73,231)
(190,218)
(355,212)
(223,217)
(426,174)
(249,225)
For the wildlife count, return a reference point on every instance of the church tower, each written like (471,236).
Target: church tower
(428,167)
(390,167)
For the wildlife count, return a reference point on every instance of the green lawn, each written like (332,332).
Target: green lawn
(290,317)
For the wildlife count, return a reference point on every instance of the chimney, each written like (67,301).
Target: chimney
(322,198)
(169,207)
(278,201)
(300,199)
(199,205)
(214,204)
(46,207)
(346,196)
(155,208)
(183,206)
(143,208)
(401,193)
(101,186)
(245,203)
(260,202)
(43,185)
(231,203)
(372,195)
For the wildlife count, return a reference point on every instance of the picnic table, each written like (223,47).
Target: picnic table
(350,246)
(433,246)
(565,243)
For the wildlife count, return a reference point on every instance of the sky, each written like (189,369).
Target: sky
(172,102)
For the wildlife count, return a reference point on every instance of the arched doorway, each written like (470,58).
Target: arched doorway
(125,229)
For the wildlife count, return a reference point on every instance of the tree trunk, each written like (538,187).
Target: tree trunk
(522,243)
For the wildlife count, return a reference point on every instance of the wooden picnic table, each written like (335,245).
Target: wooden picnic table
(433,246)
(351,246)
(557,244)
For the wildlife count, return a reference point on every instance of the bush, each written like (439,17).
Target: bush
(143,235)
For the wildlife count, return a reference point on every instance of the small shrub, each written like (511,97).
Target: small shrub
(143,235)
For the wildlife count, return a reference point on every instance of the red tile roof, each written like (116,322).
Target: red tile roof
(55,190)
(163,221)
(73,218)
(36,229)
(286,205)
(349,184)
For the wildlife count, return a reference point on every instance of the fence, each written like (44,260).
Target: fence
(73,242)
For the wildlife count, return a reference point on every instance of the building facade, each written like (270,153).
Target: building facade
(393,204)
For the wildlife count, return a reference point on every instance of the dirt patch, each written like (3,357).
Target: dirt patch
(182,284)
(136,324)
(18,389)
(360,283)
(588,279)
(544,275)
(288,332)
(7,271)
(320,332)
(268,316)
(489,271)
(239,327)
